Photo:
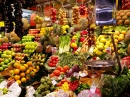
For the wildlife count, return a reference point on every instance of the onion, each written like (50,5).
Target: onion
(69,73)
(76,68)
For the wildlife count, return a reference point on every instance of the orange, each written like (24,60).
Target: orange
(16,77)
(27,71)
(22,74)
(18,81)
(16,71)
(22,68)
(16,64)
(37,67)
(34,70)
(29,63)
(11,71)
(25,65)
(23,79)
(30,68)
(27,77)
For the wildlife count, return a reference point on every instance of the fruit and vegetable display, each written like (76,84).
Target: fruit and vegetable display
(65,54)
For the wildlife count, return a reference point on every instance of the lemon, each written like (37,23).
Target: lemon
(104,50)
(103,40)
(117,33)
(73,45)
(123,32)
(101,36)
(106,46)
(108,43)
(95,50)
(100,47)
(74,37)
(97,42)
(99,53)
(116,36)
(101,44)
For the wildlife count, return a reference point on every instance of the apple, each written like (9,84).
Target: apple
(82,39)
(1,69)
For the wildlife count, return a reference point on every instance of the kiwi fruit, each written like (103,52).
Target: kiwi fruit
(120,22)
(124,17)
(118,18)
(122,14)
(128,14)
(126,22)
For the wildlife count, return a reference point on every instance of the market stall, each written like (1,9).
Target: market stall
(71,48)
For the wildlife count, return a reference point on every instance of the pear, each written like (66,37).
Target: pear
(128,49)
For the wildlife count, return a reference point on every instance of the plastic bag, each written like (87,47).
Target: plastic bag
(29,91)
(14,89)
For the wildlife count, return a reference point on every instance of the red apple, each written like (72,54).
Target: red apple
(82,39)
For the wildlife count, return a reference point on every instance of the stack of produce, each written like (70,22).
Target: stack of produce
(21,71)
(122,17)
(38,59)
(45,87)
(125,4)
(30,47)
(6,59)
(27,39)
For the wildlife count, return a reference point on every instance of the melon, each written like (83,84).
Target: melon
(25,23)
(127,37)
(128,49)
(32,22)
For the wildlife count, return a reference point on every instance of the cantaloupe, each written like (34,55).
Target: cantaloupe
(128,49)
(127,37)
(25,23)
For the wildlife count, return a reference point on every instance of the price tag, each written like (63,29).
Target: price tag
(93,89)
(54,82)
(82,74)
(2,24)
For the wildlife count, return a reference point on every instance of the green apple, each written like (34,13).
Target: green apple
(1,69)
(2,63)
(6,61)
(5,66)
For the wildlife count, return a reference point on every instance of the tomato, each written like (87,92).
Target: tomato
(50,64)
(52,75)
(53,62)
(58,68)
(56,72)
(62,70)
(59,84)
(63,81)
(61,73)
(66,68)
(52,57)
